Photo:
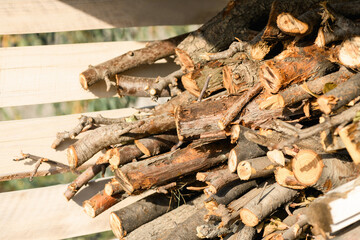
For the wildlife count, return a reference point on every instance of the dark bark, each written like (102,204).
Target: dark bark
(157,144)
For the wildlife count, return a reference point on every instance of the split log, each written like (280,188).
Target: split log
(341,95)
(294,65)
(323,172)
(244,149)
(218,33)
(147,55)
(273,197)
(286,178)
(83,179)
(94,141)
(199,120)
(350,135)
(163,168)
(101,202)
(298,92)
(349,53)
(157,144)
(329,214)
(127,219)
(255,168)
(113,187)
(124,154)
(216,179)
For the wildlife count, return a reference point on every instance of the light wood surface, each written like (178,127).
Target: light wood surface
(35,136)
(44,213)
(46,74)
(36,16)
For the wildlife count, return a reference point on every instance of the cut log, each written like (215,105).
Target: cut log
(218,33)
(83,179)
(294,65)
(113,187)
(166,167)
(341,95)
(147,55)
(199,119)
(329,214)
(273,197)
(157,144)
(101,202)
(102,137)
(350,135)
(133,216)
(244,149)
(298,92)
(323,172)
(216,179)
(124,154)
(285,177)
(255,168)
(349,53)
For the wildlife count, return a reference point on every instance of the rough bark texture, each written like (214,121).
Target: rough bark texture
(341,95)
(124,154)
(255,168)
(273,197)
(163,168)
(100,203)
(102,137)
(133,216)
(137,86)
(157,144)
(169,107)
(147,55)
(113,187)
(216,179)
(294,65)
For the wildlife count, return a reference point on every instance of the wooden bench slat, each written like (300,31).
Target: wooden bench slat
(37,16)
(35,136)
(44,213)
(46,74)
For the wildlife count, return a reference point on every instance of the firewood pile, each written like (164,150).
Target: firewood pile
(263,120)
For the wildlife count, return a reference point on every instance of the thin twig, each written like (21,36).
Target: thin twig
(262,192)
(205,87)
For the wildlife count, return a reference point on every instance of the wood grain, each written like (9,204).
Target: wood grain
(46,74)
(70,15)
(44,213)
(35,136)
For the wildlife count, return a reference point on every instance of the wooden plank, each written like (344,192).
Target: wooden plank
(35,136)
(35,16)
(44,213)
(45,74)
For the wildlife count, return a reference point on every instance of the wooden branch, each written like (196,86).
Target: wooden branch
(113,187)
(147,55)
(285,177)
(322,172)
(94,141)
(349,53)
(101,202)
(124,154)
(294,65)
(157,144)
(299,92)
(133,216)
(301,25)
(83,179)
(183,99)
(234,20)
(255,168)
(350,137)
(273,197)
(166,167)
(328,214)
(341,95)
(210,231)
(245,233)
(216,179)
(236,108)
(244,149)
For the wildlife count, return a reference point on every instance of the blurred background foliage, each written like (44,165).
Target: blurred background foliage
(56,109)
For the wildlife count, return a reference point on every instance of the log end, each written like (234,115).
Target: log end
(307,167)
(232,161)
(116,227)
(284,177)
(270,78)
(83,81)
(290,25)
(124,181)
(320,39)
(248,217)
(108,189)
(89,209)
(114,157)
(326,103)
(244,170)
(272,102)
(142,148)
(234,133)
(349,54)
(72,157)
(260,50)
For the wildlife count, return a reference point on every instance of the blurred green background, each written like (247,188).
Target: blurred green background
(56,109)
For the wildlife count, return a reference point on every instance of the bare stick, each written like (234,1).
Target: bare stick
(235,109)
(204,88)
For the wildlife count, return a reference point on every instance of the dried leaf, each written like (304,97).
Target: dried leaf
(328,87)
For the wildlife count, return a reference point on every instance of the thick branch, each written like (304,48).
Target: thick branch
(100,202)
